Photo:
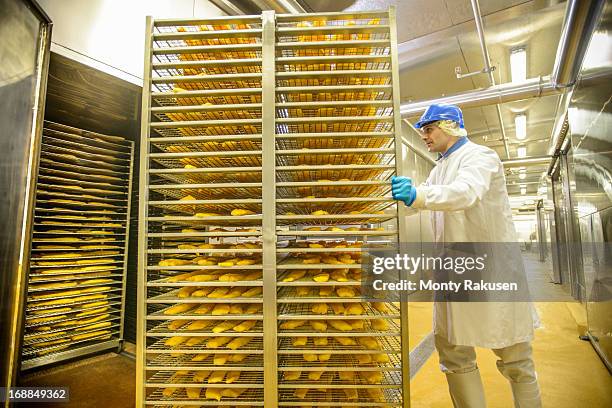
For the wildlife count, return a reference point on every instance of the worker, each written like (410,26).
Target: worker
(466,193)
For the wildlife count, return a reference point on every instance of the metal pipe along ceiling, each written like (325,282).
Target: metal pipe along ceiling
(503,93)
(581,17)
(574,32)
(488,69)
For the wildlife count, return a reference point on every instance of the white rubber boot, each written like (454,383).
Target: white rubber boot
(466,390)
(526,395)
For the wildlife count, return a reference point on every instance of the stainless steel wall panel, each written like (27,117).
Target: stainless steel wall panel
(590,120)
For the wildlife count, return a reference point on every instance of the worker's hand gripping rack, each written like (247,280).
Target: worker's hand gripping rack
(268,144)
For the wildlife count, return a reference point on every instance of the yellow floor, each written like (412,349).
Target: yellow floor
(570,372)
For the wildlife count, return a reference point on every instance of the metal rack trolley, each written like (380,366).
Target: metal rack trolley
(268,143)
(76,284)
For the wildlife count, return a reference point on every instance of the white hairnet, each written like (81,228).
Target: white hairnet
(450,127)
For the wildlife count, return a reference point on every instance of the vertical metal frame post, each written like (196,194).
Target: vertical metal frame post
(268,177)
(143,198)
(125,250)
(401,209)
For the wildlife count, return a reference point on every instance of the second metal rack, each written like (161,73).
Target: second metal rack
(76,289)
(268,145)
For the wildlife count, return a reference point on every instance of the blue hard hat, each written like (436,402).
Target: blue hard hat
(440,112)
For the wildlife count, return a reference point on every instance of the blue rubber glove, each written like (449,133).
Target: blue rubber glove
(403,190)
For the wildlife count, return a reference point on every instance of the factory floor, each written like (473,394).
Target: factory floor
(106,380)
(570,372)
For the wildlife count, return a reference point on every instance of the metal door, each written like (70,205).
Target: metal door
(24,51)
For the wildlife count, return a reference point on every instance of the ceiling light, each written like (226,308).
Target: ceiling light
(520,126)
(518,65)
(521,151)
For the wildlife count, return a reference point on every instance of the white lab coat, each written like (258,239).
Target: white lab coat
(466,193)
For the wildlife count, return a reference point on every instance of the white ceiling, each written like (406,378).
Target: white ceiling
(435,36)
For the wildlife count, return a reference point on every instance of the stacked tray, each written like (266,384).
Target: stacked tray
(203,277)
(79,245)
(336,152)
(268,153)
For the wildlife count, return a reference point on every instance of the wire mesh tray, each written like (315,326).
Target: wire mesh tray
(251,112)
(303,310)
(59,181)
(162,330)
(190,129)
(202,81)
(214,191)
(254,362)
(64,347)
(69,156)
(118,148)
(34,289)
(290,294)
(108,298)
(56,224)
(351,159)
(77,197)
(78,189)
(331,379)
(204,176)
(392,329)
(194,221)
(69,211)
(333,143)
(77,255)
(307,206)
(333,219)
(38,278)
(75,264)
(60,319)
(191,146)
(77,151)
(342,124)
(69,272)
(29,345)
(32,337)
(250,397)
(255,346)
(347,362)
(92,137)
(200,206)
(214,97)
(159,315)
(222,159)
(171,298)
(117,156)
(251,379)
(302,165)
(360,233)
(387,344)
(74,171)
(338,398)
(33,302)
(334,172)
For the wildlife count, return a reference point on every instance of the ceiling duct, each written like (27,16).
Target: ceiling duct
(580,19)
(239,7)
(503,93)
